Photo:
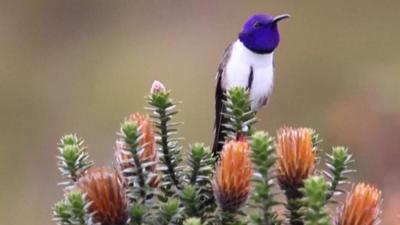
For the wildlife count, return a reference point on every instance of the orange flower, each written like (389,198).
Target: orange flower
(106,193)
(149,153)
(296,158)
(233,176)
(362,206)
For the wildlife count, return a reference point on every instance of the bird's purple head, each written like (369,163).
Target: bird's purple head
(260,33)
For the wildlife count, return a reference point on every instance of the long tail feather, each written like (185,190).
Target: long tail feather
(220,120)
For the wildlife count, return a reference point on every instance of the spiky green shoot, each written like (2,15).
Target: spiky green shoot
(170,213)
(191,201)
(263,158)
(138,214)
(199,172)
(200,165)
(238,113)
(316,139)
(73,159)
(315,193)
(72,210)
(163,109)
(138,182)
(338,164)
(61,213)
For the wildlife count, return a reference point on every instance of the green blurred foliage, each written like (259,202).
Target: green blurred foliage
(83,65)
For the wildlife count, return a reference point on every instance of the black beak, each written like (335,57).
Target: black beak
(281,17)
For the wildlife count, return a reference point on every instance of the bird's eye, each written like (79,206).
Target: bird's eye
(257,25)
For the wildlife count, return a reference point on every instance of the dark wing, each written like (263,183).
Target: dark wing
(219,134)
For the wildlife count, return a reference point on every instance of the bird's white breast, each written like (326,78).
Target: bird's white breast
(238,69)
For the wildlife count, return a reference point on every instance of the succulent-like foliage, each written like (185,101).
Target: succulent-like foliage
(73,210)
(316,142)
(191,201)
(232,181)
(338,163)
(170,213)
(73,159)
(199,171)
(204,190)
(163,109)
(238,113)
(200,165)
(105,191)
(61,213)
(315,192)
(362,206)
(138,214)
(139,176)
(316,139)
(263,158)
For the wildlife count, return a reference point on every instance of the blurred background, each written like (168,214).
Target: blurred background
(83,65)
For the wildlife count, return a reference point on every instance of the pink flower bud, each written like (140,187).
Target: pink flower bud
(157,87)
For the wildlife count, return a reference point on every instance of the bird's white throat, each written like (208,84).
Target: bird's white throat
(238,69)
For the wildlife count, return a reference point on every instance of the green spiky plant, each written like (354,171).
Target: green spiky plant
(73,210)
(163,109)
(197,194)
(338,164)
(238,113)
(196,188)
(139,189)
(73,159)
(315,198)
(264,158)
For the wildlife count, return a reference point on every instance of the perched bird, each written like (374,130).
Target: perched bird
(248,63)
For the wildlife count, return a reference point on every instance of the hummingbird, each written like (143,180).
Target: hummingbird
(247,62)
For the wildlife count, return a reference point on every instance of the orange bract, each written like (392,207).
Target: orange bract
(149,153)
(146,128)
(105,191)
(233,176)
(296,157)
(362,206)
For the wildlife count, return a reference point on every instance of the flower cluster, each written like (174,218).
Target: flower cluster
(153,182)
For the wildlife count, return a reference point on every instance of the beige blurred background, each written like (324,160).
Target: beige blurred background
(83,65)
